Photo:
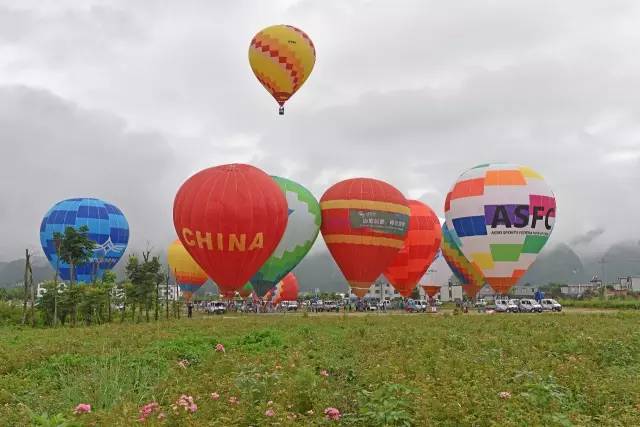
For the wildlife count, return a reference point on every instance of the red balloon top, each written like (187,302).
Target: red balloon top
(230,218)
(287,289)
(364,223)
(420,248)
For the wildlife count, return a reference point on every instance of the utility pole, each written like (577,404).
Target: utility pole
(26,286)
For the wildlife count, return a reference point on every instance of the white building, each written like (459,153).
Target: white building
(631,283)
(578,289)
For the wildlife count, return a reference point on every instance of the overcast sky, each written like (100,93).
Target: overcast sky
(124,100)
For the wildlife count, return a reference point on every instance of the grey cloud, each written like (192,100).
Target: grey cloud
(412,93)
(587,237)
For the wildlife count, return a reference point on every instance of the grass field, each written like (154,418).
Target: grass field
(558,369)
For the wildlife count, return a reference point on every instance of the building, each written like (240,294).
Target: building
(578,289)
(631,283)
(381,289)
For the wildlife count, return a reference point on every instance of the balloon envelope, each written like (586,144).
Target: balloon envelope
(230,218)
(302,230)
(364,223)
(282,57)
(287,289)
(467,273)
(189,276)
(418,251)
(431,290)
(246,290)
(108,228)
(503,215)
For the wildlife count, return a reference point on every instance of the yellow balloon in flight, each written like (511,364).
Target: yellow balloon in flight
(282,57)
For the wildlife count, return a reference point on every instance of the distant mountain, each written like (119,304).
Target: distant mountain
(13,272)
(559,264)
(620,260)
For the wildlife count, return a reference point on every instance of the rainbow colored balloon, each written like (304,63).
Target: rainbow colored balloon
(503,215)
(467,273)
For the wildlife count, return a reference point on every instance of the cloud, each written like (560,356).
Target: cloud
(587,237)
(138,97)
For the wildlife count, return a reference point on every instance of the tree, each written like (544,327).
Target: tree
(145,278)
(75,248)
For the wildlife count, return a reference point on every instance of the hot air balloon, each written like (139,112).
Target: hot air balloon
(246,290)
(108,228)
(302,229)
(467,273)
(282,57)
(364,223)
(503,215)
(431,289)
(230,218)
(287,289)
(189,276)
(419,250)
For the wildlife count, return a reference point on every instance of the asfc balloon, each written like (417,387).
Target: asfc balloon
(246,290)
(108,228)
(467,273)
(230,218)
(287,289)
(503,215)
(419,250)
(282,57)
(302,230)
(189,276)
(364,224)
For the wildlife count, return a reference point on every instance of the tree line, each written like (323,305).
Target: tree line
(142,296)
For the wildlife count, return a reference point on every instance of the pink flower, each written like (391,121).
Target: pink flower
(220,348)
(215,396)
(184,363)
(147,410)
(82,408)
(324,373)
(187,403)
(234,400)
(504,395)
(269,412)
(332,414)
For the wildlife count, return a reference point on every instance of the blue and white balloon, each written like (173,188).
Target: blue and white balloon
(108,228)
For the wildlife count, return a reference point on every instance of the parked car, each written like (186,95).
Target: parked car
(415,306)
(289,305)
(217,307)
(529,306)
(502,305)
(480,302)
(550,305)
(371,306)
(317,305)
(512,306)
(331,306)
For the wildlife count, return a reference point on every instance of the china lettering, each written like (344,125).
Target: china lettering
(231,242)
(520,217)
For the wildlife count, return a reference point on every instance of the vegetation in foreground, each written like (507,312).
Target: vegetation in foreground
(545,369)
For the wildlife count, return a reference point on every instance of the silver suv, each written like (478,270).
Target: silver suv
(549,304)
(529,306)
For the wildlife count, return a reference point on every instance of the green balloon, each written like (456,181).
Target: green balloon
(302,230)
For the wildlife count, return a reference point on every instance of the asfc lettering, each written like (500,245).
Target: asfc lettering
(520,217)
(222,242)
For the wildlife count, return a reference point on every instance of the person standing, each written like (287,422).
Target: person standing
(189,309)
